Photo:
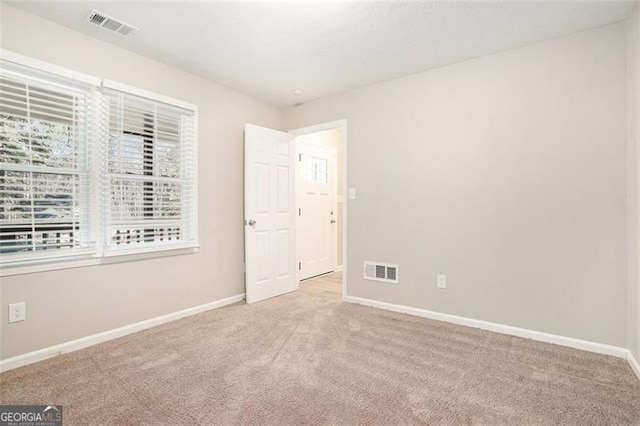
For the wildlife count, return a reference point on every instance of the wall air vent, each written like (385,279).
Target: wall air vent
(110,23)
(376,271)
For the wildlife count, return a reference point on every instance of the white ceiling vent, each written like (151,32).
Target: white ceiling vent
(376,271)
(110,23)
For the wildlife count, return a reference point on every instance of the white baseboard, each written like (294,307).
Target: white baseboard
(633,363)
(499,328)
(94,339)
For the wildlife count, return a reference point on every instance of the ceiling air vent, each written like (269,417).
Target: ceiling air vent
(377,271)
(110,23)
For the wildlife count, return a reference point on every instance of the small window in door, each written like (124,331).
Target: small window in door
(316,169)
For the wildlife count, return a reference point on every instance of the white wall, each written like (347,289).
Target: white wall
(508,174)
(633,332)
(68,304)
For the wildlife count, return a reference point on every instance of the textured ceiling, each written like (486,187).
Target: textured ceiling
(269,49)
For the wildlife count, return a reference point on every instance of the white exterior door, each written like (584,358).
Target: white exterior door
(269,185)
(317,210)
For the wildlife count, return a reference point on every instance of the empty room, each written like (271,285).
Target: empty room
(303,212)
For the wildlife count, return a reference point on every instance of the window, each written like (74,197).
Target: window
(317,171)
(44,169)
(150,169)
(90,169)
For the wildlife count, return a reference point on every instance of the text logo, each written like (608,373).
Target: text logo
(30,415)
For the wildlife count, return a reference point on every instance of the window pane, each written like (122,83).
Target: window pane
(149,190)
(15,195)
(127,154)
(316,170)
(137,199)
(14,140)
(44,151)
(39,211)
(52,144)
(321,175)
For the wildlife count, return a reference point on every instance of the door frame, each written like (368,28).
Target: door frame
(342,126)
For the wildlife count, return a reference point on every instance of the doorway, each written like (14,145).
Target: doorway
(271,255)
(316,198)
(319,199)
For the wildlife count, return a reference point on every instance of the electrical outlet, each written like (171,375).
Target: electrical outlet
(442,281)
(17,312)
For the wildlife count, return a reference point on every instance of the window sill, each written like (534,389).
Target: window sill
(108,259)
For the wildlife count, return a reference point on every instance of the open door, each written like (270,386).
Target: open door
(269,207)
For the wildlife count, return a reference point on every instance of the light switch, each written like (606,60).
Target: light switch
(352,193)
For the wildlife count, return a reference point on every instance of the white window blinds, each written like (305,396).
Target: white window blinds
(149,183)
(91,169)
(45,121)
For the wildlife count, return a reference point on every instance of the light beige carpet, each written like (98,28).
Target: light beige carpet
(307,358)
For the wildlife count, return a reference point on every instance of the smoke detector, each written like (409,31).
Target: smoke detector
(110,23)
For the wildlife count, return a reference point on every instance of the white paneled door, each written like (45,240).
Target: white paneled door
(317,210)
(269,203)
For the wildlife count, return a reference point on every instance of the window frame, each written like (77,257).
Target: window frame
(127,90)
(98,141)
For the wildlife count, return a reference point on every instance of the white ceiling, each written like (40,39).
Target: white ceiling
(269,49)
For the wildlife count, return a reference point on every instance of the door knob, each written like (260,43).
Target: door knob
(250,222)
